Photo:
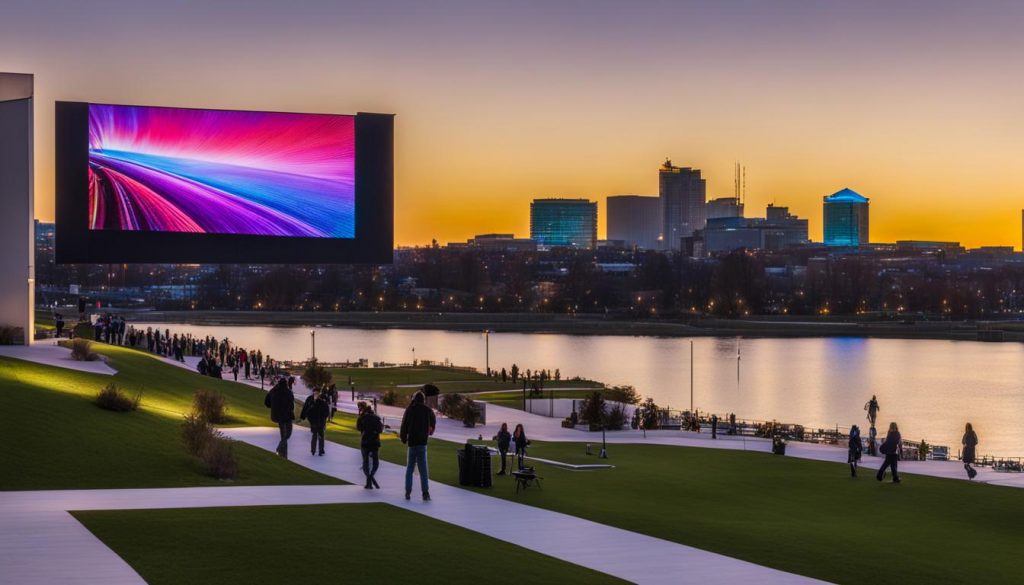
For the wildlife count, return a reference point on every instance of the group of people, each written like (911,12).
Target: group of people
(515,440)
(891,447)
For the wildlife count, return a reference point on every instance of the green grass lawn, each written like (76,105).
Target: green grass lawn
(55,438)
(801,516)
(399,379)
(342,543)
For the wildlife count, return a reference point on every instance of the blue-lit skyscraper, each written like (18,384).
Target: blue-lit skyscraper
(846,219)
(564,222)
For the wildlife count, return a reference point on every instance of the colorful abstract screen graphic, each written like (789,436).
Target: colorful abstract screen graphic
(221,172)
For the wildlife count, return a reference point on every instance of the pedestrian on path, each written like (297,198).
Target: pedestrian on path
(281,403)
(519,436)
(370,427)
(504,439)
(418,424)
(854,450)
(970,441)
(332,397)
(891,449)
(316,410)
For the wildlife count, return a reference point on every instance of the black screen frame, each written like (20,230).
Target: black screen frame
(374,212)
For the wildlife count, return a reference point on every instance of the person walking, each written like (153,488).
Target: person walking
(370,427)
(872,407)
(281,403)
(891,449)
(316,410)
(504,439)
(332,397)
(519,436)
(418,423)
(854,450)
(970,441)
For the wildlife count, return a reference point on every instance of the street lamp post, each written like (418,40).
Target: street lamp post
(487,351)
(312,342)
(691,377)
(414,357)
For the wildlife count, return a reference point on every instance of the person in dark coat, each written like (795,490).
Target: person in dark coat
(316,410)
(332,398)
(891,449)
(854,450)
(281,403)
(519,436)
(370,427)
(504,439)
(970,441)
(418,424)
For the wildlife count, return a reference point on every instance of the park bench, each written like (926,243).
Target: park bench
(526,477)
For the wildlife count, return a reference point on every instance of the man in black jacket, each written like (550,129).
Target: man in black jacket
(316,410)
(417,425)
(370,427)
(281,403)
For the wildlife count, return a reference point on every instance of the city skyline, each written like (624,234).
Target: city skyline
(498,105)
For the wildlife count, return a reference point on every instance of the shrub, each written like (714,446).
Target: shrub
(315,375)
(111,398)
(81,350)
(218,456)
(623,394)
(10,335)
(650,414)
(209,406)
(196,433)
(615,418)
(451,405)
(391,398)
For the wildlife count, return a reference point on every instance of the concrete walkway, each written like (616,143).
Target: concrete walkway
(543,428)
(48,353)
(628,555)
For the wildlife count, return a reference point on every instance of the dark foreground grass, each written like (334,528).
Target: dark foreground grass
(342,543)
(54,437)
(806,517)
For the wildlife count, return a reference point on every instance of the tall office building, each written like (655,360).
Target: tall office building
(725,207)
(846,218)
(635,220)
(564,222)
(683,203)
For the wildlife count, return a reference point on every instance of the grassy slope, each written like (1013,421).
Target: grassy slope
(55,438)
(446,379)
(801,516)
(364,543)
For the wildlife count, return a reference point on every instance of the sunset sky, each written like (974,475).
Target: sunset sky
(917,105)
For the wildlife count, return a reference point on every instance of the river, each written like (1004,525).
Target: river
(930,387)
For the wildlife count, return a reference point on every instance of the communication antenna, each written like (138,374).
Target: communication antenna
(744,197)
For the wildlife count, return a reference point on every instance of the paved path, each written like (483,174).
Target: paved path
(47,352)
(628,555)
(543,428)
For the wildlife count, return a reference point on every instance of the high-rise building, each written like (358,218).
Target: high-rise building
(564,222)
(683,203)
(635,219)
(846,218)
(725,207)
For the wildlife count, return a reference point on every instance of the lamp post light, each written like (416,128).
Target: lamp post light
(312,342)
(691,377)
(414,357)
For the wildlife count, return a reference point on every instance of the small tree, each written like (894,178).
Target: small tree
(651,417)
(314,375)
(451,405)
(593,409)
(515,373)
(623,394)
(558,374)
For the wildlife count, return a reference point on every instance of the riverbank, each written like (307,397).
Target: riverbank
(600,325)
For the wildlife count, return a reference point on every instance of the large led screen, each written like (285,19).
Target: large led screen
(221,172)
(158,184)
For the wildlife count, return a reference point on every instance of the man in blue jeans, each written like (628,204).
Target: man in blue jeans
(417,426)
